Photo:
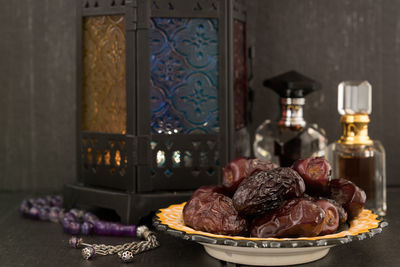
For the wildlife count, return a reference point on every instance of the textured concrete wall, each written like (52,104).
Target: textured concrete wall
(37,94)
(328,40)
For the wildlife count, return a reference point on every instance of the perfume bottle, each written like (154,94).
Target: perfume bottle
(291,138)
(355,156)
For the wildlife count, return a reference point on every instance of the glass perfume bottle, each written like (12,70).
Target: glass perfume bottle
(355,156)
(290,138)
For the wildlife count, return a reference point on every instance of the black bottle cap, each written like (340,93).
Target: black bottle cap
(292,85)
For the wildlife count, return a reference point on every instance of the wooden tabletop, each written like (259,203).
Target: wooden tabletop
(25,242)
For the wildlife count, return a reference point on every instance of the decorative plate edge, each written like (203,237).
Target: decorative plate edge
(269,243)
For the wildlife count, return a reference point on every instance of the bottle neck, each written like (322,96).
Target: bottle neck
(292,112)
(355,129)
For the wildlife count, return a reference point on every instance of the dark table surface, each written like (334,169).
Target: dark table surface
(25,242)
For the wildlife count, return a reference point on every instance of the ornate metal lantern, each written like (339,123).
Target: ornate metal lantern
(162,96)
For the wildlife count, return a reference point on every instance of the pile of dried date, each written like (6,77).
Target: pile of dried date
(260,199)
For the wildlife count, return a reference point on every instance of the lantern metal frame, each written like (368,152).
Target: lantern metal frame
(137,192)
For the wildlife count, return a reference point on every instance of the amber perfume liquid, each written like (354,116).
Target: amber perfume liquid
(364,165)
(359,170)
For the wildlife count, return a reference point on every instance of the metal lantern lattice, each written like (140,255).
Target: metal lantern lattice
(162,95)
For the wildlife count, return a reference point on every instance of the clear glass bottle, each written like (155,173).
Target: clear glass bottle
(355,156)
(290,138)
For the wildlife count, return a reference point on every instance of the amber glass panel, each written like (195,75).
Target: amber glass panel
(240,73)
(103,79)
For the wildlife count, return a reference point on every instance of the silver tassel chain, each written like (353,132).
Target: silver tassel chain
(125,251)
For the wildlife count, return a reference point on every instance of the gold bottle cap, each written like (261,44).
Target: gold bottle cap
(355,118)
(355,129)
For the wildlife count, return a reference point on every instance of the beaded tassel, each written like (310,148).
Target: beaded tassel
(125,251)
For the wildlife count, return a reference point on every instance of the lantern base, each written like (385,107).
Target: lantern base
(131,207)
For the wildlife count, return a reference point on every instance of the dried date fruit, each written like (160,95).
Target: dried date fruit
(295,218)
(349,195)
(308,197)
(331,220)
(342,212)
(214,213)
(239,169)
(266,190)
(209,189)
(316,173)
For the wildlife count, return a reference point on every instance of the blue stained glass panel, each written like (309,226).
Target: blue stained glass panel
(184,75)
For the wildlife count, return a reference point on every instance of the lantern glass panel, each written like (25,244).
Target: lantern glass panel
(176,159)
(103,74)
(160,158)
(188,159)
(240,73)
(184,75)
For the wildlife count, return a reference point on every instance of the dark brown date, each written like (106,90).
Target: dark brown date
(341,211)
(331,221)
(296,218)
(214,213)
(347,194)
(239,169)
(209,189)
(266,190)
(316,173)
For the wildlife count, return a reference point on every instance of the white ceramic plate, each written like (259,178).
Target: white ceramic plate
(267,251)
(266,256)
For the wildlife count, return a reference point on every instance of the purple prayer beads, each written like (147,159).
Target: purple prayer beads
(86,228)
(74,221)
(87,223)
(41,208)
(117,229)
(54,214)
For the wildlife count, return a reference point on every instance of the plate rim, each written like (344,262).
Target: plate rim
(267,243)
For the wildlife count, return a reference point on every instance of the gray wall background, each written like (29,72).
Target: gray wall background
(330,41)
